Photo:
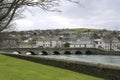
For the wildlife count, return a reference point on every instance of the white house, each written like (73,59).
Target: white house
(101,43)
(50,43)
(83,42)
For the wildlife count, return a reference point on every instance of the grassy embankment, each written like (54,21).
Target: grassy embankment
(16,69)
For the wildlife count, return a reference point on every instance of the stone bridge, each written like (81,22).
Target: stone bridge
(53,51)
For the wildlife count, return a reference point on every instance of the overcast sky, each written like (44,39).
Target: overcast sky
(102,14)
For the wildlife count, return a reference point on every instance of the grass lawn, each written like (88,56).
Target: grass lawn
(17,69)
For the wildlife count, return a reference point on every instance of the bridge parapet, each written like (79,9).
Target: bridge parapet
(57,51)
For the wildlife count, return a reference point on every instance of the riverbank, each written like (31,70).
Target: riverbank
(17,69)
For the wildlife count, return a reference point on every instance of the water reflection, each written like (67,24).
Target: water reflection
(89,58)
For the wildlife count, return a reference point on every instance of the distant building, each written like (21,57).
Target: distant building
(112,43)
(49,43)
(105,43)
(83,42)
(9,42)
(99,43)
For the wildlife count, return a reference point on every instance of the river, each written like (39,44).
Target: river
(115,60)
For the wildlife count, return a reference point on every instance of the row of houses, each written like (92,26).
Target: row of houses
(49,43)
(105,41)
(101,43)
(83,42)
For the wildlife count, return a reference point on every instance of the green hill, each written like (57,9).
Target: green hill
(17,69)
(85,29)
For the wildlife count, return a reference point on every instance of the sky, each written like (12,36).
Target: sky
(99,14)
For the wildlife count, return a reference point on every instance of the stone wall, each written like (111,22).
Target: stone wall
(107,71)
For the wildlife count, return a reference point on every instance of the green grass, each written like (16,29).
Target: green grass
(17,69)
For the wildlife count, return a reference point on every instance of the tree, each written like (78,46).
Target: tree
(67,45)
(9,9)
(109,39)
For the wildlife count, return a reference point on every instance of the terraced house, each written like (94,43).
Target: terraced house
(48,43)
(104,43)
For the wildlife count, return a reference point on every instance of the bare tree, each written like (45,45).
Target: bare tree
(109,39)
(9,8)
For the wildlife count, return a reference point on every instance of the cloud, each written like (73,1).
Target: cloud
(94,14)
(24,24)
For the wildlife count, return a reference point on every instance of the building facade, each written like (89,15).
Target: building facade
(83,42)
(49,43)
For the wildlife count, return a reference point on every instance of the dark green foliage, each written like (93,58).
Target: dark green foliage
(67,45)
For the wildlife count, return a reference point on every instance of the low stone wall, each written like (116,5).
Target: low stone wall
(107,71)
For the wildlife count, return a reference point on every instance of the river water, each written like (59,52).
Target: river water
(115,60)
(104,59)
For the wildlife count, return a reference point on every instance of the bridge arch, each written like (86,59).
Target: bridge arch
(67,53)
(78,52)
(16,52)
(56,53)
(88,52)
(40,53)
(44,53)
(30,53)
